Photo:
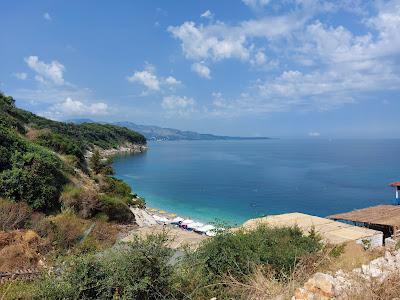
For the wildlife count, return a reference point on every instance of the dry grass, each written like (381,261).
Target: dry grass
(353,256)
(262,284)
(33,134)
(19,249)
(13,215)
(363,289)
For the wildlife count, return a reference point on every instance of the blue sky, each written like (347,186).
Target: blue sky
(301,68)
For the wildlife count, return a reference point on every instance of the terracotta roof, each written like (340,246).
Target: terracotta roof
(395,184)
(388,215)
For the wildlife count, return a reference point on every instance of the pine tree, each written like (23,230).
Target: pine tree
(95,162)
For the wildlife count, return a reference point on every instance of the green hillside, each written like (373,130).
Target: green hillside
(40,157)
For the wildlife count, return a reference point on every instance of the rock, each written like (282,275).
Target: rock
(320,286)
(142,218)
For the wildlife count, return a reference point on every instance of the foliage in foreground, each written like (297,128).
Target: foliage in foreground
(239,255)
(147,269)
(138,270)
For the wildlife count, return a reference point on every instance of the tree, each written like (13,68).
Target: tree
(95,162)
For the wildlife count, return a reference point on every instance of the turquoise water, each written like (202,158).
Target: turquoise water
(237,180)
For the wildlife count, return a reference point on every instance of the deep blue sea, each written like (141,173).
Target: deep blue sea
(236,180)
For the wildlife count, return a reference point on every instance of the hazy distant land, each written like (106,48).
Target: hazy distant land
(157,133)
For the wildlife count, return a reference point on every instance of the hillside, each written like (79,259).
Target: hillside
(40,157)
(152,132)
(157,133)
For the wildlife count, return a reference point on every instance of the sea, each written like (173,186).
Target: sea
(233,181)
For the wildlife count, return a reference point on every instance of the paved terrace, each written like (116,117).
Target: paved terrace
(331,231)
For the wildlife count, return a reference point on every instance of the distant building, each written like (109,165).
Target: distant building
(396,185)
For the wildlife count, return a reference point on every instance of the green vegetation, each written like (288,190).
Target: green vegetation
(38,157)
(56,206)
(29,172)
(148,269)
(138,271)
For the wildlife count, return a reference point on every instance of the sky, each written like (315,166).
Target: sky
(292,68)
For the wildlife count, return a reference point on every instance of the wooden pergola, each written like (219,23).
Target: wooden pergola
(385,218)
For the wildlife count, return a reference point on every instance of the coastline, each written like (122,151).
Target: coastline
(128,148)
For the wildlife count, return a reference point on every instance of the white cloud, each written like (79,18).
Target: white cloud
(46,73)
(21,75)
(180,105)
(255,4)
(70,107)
(146,77)
(207,14)
(324,66)
(259,58)
(151,81)
(314,134)
(218,41)
(172,81)
(47,16)
(202,70)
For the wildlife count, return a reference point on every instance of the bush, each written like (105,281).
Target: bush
(138,270)
(116,209)
(116,187)
(84,202)
(14,215)
(239,255)
(33,174)
(63,231)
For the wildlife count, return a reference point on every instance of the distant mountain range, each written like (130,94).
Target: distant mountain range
(156,133)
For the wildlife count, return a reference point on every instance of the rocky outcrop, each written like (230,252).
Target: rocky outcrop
(323,286)
(142,217)
(124,149)
(127,148)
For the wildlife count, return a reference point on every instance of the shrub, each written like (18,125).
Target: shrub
(116,187)
(61,144)
(13,215)
(63,231)
(84,202)
(33,174)
(116,209)
(104,234)
(239,255)
(138,270)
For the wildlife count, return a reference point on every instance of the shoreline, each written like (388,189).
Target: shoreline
(127,148)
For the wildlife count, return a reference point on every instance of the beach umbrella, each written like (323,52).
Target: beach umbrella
(187,222)
(210,233)
(164,220)
(162,211)
(195,225)
(205,228)
(172,215)
(177,220)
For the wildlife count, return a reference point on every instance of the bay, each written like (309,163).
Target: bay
(234,181)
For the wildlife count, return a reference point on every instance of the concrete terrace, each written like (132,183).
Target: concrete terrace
(331,231)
